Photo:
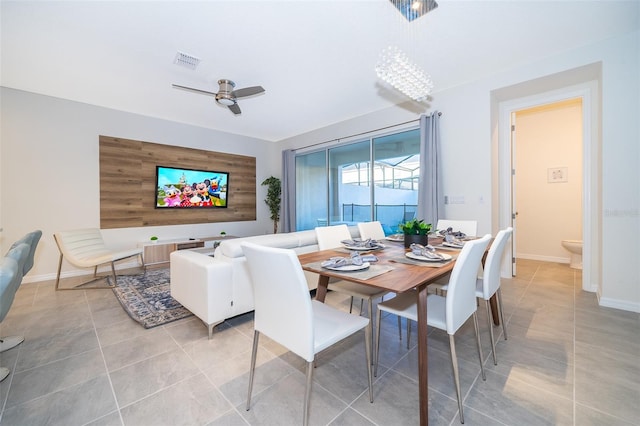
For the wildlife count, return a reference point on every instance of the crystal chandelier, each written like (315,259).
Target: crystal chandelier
(396,69)
(413,9)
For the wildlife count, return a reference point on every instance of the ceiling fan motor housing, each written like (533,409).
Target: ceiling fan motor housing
(224,96)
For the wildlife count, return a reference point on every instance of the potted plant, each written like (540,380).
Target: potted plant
(273,199)
(154,239)
(415,231)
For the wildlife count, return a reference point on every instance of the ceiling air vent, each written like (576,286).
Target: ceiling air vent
(187,61)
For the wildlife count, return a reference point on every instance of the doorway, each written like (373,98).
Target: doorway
(505,200)
(547,185)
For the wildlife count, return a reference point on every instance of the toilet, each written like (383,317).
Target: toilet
(575,248)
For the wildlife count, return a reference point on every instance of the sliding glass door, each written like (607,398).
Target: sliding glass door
(396,175)
(311,190)
(349,183)
(371,179)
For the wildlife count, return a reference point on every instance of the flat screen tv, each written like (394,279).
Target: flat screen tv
(190,189)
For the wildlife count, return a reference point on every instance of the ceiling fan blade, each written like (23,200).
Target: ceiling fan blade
(235,108)
(191,89)
(247,91)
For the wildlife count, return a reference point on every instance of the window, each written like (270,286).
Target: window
(335,185)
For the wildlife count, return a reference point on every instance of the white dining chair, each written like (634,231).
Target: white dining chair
(371,230)
(468,227)
(330,237)
(489,283)
(448,312)
(285,313)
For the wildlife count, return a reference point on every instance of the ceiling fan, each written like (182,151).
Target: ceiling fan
(226,95)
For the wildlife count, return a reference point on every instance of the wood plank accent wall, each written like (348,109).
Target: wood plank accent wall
(127,184)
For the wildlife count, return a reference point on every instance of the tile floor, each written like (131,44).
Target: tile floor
(84,362)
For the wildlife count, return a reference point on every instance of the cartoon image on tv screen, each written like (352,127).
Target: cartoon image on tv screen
(185,188)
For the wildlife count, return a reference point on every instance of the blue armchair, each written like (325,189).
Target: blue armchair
(13,267)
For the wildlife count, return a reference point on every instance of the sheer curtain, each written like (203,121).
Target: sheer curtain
(430,197)
(288,200)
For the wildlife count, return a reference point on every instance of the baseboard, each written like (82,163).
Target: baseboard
(541,258)
(619,304)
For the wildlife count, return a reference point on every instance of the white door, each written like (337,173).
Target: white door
(514,210)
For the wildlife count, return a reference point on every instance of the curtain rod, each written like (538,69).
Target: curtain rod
(360,134)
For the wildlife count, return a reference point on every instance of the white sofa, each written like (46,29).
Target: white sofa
(217,288)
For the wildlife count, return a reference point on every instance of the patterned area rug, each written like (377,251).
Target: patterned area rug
(147,298)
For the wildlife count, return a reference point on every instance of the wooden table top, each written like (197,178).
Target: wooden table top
(402,278)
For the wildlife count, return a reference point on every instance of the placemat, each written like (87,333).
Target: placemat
(420,263)
(441,247)
(372,271)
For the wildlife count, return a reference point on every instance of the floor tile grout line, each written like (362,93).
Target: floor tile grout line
(572,365)
(157,391)
(216,387)
(530,288)
(162,352)
(104,359)
(466,407)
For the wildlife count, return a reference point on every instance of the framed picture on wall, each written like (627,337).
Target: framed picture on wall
(557,174)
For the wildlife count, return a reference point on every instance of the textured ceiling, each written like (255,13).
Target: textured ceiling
(314,58)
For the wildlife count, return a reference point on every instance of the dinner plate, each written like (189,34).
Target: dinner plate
(445,256)
(348,268)
(360,248)
(396,237)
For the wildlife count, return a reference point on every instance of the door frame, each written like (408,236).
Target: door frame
(591,220)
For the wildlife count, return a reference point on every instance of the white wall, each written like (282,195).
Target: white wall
(468,128)
(49,157)
(49,177)
(548,212)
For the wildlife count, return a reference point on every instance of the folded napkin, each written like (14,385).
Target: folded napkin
(354,259)
(429,252)
(452,240)
(357,242)
(450,232)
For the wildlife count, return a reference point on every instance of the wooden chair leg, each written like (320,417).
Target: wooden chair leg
(370,323)
(368,335)
(376,357)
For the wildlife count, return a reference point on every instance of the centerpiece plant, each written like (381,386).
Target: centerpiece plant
(415,231)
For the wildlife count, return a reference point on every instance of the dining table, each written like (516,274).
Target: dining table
(393,271)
